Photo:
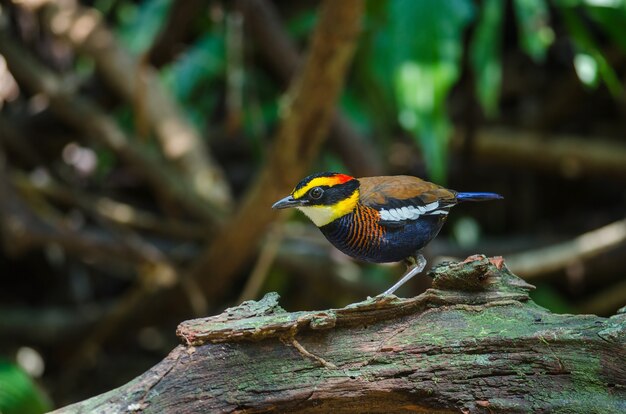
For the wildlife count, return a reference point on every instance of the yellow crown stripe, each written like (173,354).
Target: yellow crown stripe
(316,182)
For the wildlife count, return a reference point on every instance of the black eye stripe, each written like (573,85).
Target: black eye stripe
(332,194)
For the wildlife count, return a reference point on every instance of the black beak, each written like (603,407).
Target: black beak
(286,202)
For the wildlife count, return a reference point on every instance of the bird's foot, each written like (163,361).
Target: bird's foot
(417,264)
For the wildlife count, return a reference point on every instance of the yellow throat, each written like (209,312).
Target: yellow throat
(322,215)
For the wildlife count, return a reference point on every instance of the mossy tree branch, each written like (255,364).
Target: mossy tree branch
(474,342)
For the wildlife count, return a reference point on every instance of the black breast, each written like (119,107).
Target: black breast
(360,235)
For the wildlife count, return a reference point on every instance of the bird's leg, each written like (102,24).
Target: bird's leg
(417,263)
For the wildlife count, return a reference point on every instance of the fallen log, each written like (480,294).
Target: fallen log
(473,343)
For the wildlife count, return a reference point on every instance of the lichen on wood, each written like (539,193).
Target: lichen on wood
(474,342)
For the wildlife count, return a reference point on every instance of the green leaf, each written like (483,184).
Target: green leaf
(18,394)
(192,77)
(140,24)
(301,25)
(202,61)
(371,82)
(586,46)
(353,107)
(535,33)
(427,39)
(586,67)
(611,17)
(485,55)
(104,6)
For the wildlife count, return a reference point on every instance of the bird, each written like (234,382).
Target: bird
(378,219)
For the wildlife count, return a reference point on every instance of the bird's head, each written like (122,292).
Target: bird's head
(323,197)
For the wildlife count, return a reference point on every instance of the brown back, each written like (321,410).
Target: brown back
(377,191)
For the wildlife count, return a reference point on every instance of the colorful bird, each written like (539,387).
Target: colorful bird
(377,219)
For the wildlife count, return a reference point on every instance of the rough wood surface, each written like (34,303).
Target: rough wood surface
(473,343)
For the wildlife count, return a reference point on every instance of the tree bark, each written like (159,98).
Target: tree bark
(473,343)
(280,52)
(306,112)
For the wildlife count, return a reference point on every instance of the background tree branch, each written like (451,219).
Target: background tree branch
(86,116)
(279,51)
(567,154)
(306,113)
(181,143)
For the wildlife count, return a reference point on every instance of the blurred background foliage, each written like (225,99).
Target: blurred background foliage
(522,97)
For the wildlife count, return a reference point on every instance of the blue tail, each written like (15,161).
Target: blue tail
(478,196)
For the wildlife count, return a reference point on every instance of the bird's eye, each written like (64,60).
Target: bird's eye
(316,193)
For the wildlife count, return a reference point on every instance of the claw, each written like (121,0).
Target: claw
(418,263)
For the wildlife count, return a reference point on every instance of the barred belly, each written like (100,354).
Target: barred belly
(360,235)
